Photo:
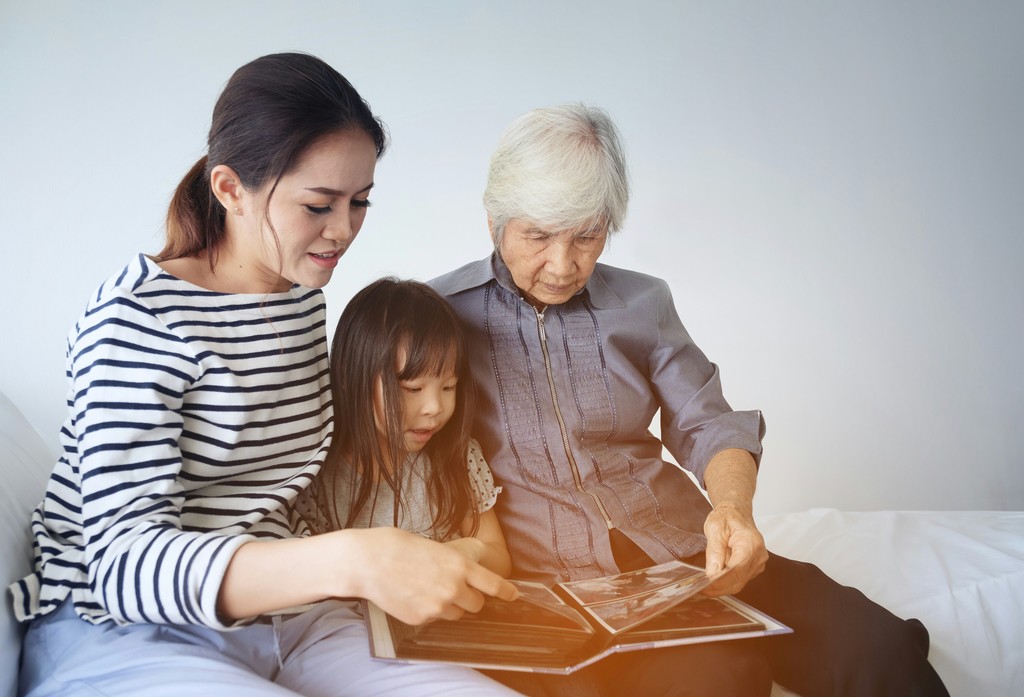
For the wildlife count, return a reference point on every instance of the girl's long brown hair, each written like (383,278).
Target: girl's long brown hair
(387,317)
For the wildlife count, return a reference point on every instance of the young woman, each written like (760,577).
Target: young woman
(199,408)
(403,403)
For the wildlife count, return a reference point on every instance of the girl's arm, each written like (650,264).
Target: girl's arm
(487,547)
(410,577)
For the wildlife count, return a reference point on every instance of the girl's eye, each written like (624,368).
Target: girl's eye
(361,203)
(318,210)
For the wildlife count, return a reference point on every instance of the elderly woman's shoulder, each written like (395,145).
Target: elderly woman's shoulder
(617,277)
(613,287)
(467,276)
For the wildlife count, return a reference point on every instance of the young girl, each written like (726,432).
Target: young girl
(167,558)
(403,403)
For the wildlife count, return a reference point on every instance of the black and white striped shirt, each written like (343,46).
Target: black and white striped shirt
(195,419)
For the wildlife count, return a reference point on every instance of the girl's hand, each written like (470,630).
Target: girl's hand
(486,545)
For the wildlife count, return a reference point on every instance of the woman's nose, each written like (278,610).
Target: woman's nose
(340,229)
(560,259)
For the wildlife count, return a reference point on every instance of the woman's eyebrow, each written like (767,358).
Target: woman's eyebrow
(327,191)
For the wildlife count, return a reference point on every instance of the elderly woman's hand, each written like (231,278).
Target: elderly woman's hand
(734,543)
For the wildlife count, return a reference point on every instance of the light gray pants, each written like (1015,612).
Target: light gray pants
(319,653)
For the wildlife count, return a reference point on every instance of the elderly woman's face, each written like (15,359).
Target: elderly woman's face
(549,267)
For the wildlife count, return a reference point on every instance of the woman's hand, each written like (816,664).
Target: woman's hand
(410,577)
(418,580)
(469,547)
(734,543)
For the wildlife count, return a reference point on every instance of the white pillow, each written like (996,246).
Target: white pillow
(25,464)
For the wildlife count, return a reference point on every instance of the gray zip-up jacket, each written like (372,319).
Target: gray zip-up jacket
(565,401)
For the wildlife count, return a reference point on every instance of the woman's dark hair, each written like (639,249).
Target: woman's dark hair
(270,111)
(386,320)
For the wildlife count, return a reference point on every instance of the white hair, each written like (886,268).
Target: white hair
(561,168)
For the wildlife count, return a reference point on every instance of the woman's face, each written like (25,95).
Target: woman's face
(549,267)
(316,212)
(427,403)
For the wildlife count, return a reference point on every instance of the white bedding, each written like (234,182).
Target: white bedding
(961,573)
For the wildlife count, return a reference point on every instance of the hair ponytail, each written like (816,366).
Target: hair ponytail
(195,220)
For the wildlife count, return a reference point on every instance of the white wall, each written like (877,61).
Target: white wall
(832,189)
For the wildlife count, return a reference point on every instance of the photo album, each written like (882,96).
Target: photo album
(573,624)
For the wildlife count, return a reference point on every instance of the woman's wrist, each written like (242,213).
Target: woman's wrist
(470,547)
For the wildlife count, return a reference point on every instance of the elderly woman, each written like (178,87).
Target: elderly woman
(572,360)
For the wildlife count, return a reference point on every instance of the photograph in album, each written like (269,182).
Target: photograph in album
(573,624)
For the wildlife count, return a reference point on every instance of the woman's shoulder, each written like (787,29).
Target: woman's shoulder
(118,294)
(144,285)
(618,277)
(119,319)
(617,289)
(137,272)
(466,277)
(141,279)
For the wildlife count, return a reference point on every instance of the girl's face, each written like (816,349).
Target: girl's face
(426,402)
(316,211)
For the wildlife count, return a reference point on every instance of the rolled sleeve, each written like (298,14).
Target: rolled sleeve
(696,420)
(734,429)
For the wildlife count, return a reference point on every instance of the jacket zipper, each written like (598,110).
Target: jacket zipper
(561,424)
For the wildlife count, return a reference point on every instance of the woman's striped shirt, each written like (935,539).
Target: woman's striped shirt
(195,419)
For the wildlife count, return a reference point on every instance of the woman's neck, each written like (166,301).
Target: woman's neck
(221,276)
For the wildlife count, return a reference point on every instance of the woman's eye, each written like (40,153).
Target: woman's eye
(361,203)
(318,210)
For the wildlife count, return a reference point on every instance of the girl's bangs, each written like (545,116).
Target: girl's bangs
(436,353)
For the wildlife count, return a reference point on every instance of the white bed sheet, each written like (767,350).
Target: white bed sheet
(961,573)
